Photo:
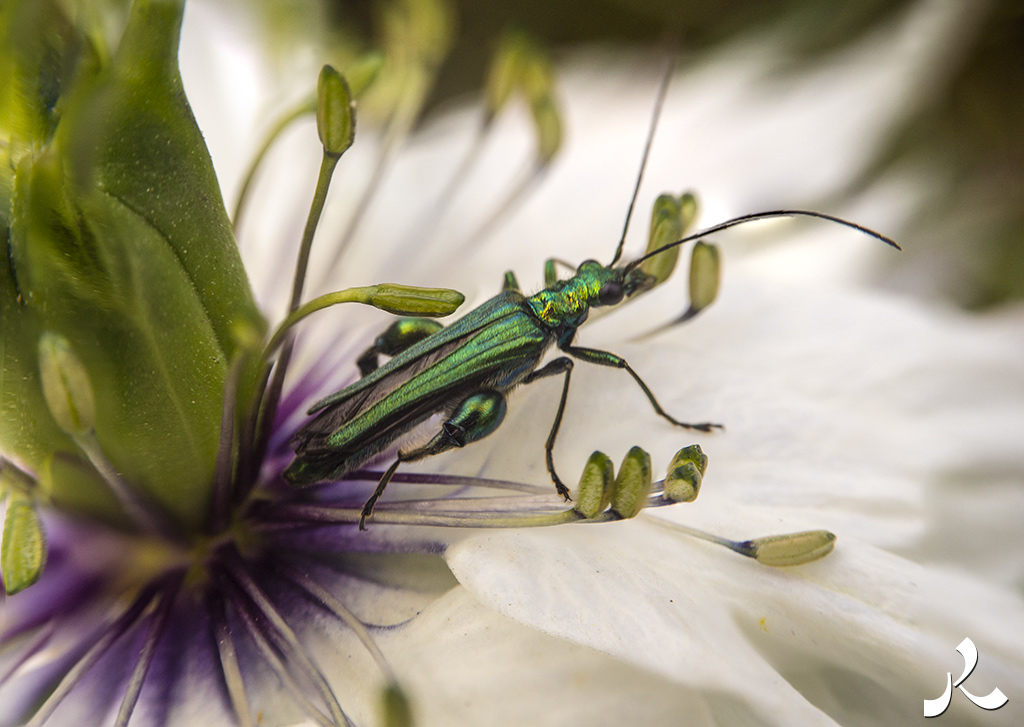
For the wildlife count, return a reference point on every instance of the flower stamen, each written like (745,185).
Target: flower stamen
(42,634)
(141,512)
(326,600)
(229,660)
(281,633)
(222,483)
(274,661)
(124,623)
(157,624)
(777,551)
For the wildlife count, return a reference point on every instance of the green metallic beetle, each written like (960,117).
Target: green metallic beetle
(464,371)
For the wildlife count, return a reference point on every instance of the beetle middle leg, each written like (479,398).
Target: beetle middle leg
(607,358)
(561,365)
(397,337)
(474,418)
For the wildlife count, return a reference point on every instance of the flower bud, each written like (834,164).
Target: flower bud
(335,112)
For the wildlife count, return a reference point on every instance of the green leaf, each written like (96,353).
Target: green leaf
(114,289)
(134,137)
(120,244)
(28,433)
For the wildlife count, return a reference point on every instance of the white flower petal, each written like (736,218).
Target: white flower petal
(845,409)
(462,663)
(840,635)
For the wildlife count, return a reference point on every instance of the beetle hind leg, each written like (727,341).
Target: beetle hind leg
(477,416)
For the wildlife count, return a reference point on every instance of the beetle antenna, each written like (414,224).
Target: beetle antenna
(658,104)
(736,221)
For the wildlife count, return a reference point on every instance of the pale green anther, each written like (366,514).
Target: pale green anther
(505,72)
(682,483)
(537,75)
(66,386)
(666,227)
(705,275)
(23,546)
(364,71)
(406,300)
(335,112)
(536,78)
(433,23)
(420,30)
(687,210)
(548,123)
(594,492)
(793,549)
(395,706)
(633,484)
(666,221)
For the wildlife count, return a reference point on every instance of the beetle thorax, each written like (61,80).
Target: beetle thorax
(567,302)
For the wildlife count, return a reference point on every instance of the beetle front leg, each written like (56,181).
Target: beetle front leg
(477,416)
(397,337)
(560,365)
(550,273)
(606,358)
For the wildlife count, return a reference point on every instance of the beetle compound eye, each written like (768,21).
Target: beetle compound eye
(610,293)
